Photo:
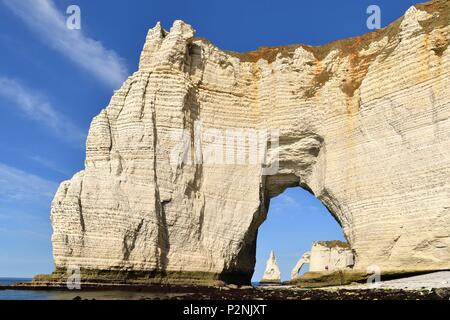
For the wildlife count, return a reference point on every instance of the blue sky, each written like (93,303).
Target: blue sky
(53,81)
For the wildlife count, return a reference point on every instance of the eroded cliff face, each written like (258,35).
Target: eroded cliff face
(364,123)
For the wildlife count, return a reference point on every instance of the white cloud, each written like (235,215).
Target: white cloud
(286,203)
(288,200)
(17,216)
(50,165)
(17,185)
(43,18)
(39,109)
(20,233)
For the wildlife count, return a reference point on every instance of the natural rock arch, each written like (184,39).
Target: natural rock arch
(304,260)
(363,124)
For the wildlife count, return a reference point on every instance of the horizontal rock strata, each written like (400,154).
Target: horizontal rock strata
(363,124)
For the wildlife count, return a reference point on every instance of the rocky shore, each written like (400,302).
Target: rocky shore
(162,292)
(432,286)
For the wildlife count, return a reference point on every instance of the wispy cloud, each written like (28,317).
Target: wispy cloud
(16,215)
(43,18)
(38,108)
(285,203)
(50,165)
(288,200)
(23,232)
(17,185)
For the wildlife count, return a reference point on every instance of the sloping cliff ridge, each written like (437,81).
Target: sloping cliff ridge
(364,124)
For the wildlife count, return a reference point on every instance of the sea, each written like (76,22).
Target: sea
(72,294)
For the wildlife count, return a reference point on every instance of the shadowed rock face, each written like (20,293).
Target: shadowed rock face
(363,124)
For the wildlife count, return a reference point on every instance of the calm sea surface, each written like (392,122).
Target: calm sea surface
(70,295)
(20,294)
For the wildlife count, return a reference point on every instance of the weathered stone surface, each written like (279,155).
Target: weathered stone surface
(364,124)
(326,256)
(330,256)
(272,272)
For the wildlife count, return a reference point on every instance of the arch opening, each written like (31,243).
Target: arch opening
(304,268)
(297,223)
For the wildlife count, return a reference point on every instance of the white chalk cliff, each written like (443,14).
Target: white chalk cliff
(364,124)
(272,272)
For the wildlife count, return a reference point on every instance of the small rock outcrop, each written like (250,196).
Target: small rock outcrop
(326,256)
(272,274)
(362,123)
